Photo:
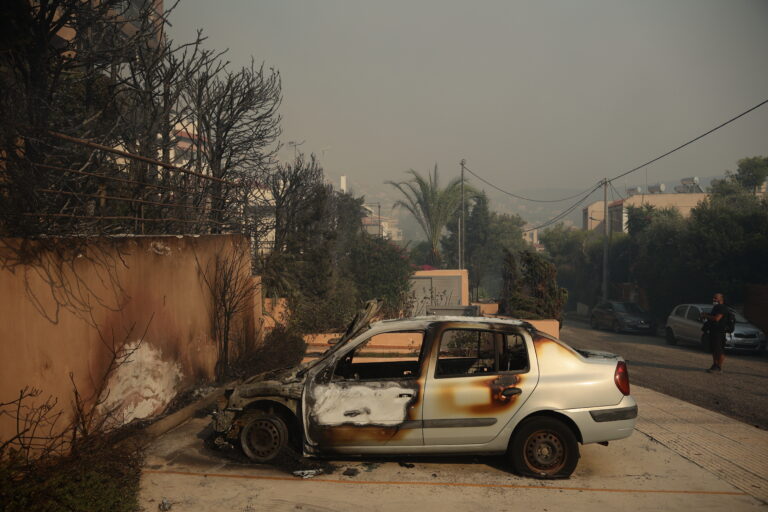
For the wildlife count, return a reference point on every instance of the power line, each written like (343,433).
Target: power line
(691,141)
(520,197)
(575,205)
(614,190)
(568,210)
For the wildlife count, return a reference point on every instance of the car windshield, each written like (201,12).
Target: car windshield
(628,307)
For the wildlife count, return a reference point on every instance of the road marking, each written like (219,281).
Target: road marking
(438,484)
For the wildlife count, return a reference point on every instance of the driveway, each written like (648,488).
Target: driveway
(637,473)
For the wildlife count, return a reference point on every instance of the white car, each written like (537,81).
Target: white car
(684,324)
(436,385)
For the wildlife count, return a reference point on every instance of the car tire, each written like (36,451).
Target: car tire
(544,447)
(593,322)
(669,335)
(264,436)
(616,326)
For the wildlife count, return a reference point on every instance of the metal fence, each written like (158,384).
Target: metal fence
(89,188)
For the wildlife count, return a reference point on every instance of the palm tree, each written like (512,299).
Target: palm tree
(431,205)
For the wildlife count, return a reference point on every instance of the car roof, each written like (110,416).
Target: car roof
(700,306)
(421,322)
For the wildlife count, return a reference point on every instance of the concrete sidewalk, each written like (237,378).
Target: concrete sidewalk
(731,450)
(729,455)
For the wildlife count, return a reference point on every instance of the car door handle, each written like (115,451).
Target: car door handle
(511,392)
(405,395)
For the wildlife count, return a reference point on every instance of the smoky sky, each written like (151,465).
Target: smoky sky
(533,94)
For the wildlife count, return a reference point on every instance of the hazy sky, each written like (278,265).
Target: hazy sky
(533,94)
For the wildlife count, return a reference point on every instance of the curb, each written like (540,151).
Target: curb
(175,419)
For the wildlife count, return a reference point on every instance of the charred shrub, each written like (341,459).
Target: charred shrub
(84,465)
(282,348)
(100,477)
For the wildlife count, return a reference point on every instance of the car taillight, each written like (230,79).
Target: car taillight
(621,378)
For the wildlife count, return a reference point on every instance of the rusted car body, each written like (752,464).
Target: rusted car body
(437,385)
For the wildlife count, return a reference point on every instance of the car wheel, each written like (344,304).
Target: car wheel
(263,437)
(593,322)
(705,343)
(616,326)
(544,447)
(669,334)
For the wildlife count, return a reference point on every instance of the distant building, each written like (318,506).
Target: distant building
(532,237)
(377,225)
(688,194)
(593,216)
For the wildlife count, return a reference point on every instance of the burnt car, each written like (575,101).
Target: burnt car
(621,317)
(436,385)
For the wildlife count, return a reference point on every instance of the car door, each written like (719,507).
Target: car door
(477,379)
(693,324)
(370,397)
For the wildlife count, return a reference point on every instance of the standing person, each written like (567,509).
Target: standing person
(715,326)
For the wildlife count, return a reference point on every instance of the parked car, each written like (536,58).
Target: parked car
(621,316)
(436,385)
(684,324)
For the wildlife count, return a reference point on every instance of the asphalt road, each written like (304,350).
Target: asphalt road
(740,392)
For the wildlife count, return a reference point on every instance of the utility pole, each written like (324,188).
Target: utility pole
(461,219)
(295,147)
(605,239)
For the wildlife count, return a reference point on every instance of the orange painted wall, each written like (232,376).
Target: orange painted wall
(153,292)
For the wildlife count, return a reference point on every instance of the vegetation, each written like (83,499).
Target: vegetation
(175,103)
(89,463)
(99,478)
(530,287)
(323,261)
(752,172)
(723,245)
(488,235)
(432,206)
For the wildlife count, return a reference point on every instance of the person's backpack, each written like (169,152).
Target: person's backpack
(730,321)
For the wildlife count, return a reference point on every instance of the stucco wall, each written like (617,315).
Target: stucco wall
(463,275)
(144,291)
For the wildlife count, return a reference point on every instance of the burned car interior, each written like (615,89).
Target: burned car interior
(470,352)
(378,358)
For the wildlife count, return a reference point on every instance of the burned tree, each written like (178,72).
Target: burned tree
(57,75)
(233,121)
(227,277)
